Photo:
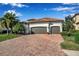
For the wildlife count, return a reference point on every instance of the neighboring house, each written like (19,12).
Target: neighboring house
(76,19)
(44,25)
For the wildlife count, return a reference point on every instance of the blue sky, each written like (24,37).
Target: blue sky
(39,10)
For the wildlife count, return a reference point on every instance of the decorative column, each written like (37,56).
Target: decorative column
(48,28)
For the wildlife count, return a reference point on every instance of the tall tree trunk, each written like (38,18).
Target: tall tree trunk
(11,31)
(7,32)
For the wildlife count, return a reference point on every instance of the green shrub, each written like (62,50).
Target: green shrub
(77,38)
(18,28)
(69,33)
(63,33)
(66,33)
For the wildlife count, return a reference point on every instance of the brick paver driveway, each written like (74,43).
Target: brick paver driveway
(36,44)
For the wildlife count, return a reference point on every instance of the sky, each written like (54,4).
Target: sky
(27,11)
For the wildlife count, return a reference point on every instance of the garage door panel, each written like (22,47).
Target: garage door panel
(39,30)
(55,29)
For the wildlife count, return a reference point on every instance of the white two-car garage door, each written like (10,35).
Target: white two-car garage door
(39,30)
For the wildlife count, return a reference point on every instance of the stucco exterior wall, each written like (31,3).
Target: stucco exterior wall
(76,19)
(76,26)
(38,25)
(44,24)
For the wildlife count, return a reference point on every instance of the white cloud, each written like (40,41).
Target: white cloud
(16,4)
(4,3)
(63,8)
(72,14)
(10,11)
(14,12)
(77,4)
(18,14)
(67,3)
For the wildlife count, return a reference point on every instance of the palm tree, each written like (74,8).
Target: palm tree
(5,23)
(8,21)
(13,21)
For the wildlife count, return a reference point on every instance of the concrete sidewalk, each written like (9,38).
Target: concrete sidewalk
(71,52)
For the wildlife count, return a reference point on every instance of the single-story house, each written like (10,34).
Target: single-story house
(44,25)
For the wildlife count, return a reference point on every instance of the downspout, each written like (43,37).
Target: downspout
(28,29)
(49,27)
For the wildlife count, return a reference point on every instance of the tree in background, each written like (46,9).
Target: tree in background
(68,25)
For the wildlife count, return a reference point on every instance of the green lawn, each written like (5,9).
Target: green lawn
(4,37)
(69,42)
